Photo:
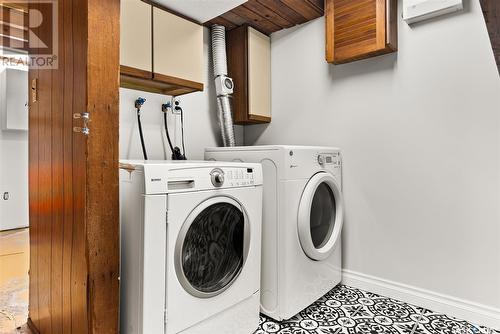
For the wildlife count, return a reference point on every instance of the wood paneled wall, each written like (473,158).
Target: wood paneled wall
(491,11)
(73,179)
(269,16)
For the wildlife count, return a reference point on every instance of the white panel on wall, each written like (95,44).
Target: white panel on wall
(14,99)
(420,10)
(420,134)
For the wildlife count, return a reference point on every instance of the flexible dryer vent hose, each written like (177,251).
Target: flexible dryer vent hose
(220,72)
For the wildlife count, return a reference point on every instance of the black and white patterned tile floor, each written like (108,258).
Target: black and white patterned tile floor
(347,310)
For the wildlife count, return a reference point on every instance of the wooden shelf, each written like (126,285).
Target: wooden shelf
(156,83)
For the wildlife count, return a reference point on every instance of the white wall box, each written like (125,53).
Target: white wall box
(420,10)
(160,52)
(14,99)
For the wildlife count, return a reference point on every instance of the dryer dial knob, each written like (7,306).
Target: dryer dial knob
(217,177)
(321,159)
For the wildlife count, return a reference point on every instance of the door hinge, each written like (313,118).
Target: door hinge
(85,131)
(85,117)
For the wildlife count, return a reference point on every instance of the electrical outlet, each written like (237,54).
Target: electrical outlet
(176,102)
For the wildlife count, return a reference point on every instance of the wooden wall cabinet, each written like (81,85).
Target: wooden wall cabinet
(360,29)
(249,64)
(160,52)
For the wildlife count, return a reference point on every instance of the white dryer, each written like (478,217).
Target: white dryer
(302,222)
(190,247)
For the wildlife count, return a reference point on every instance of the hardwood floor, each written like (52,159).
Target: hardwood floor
(14,266)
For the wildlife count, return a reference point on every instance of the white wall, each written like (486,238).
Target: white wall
(420,134)
(13,174)
(200,120)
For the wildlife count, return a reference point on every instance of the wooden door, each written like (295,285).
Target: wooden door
(73,178)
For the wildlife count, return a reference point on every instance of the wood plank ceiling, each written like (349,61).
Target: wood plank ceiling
(269,16)
(491,11)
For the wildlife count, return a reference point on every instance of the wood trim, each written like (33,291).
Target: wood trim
(381,24)
(164,86)
(491,12)
(329,31)
(177,81)
(135,72)
(259,119)
(237,61)
(392,25)
(102,206)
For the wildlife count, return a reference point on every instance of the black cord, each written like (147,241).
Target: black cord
(176,152)
(182,133)
(141,135)
(166,131)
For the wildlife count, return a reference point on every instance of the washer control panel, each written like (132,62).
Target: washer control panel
(237,177)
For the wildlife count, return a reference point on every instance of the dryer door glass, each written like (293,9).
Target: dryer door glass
(213,249)
(320,216)
(323,212)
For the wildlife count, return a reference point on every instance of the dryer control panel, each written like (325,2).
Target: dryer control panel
(331,159)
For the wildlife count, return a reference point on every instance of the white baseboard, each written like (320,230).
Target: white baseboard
(455,307)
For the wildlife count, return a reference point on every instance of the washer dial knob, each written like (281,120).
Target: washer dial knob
(321,159)
(217,176)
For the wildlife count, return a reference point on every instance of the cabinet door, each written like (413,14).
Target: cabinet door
(177,48)
(359,29)
(259,76)
(136,35)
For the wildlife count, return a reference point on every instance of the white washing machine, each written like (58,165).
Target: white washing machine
(302,223)
(190,247)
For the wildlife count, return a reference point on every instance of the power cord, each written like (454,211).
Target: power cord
(138,104)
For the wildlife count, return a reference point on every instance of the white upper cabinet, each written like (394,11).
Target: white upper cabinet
(177,47)
(259,78)
(136,35)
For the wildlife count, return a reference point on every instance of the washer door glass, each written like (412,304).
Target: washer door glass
(320,216)
(212,249)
